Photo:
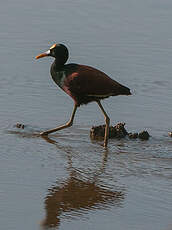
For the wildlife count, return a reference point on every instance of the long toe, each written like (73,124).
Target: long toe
(44,134)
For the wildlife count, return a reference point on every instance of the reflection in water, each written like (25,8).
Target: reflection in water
(76,195)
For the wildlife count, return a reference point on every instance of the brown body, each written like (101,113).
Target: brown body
(87,84)
(83,83)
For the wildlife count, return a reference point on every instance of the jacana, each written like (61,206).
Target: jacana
(82,83)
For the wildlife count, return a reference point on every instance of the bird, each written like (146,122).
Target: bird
(84,84)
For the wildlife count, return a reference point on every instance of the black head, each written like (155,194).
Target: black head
(58,51)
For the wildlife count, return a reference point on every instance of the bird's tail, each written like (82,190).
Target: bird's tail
(126,91)
(121,90)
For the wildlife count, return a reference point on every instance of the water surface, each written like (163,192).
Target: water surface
(67,181)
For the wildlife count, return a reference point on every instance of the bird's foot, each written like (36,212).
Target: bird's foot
(44,133)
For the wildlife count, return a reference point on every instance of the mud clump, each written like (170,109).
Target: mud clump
(118,131)
(170,134)
(19,126)
(144,135)
(133,135)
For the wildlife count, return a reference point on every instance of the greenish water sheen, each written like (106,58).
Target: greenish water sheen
(67,181)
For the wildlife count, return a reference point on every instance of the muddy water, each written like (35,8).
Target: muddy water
(67,181)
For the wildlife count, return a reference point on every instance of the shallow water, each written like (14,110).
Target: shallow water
(67,181)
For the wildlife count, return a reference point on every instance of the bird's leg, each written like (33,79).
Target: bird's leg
(107,121)
(68,124)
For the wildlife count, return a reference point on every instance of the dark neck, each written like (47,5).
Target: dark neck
(58,65)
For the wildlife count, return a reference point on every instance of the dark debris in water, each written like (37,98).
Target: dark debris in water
(133,135)
(170,134)
(144,135)
(20,126)
(118,131)
(24,130)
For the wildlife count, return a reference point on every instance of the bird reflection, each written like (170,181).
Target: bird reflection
(77,195)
